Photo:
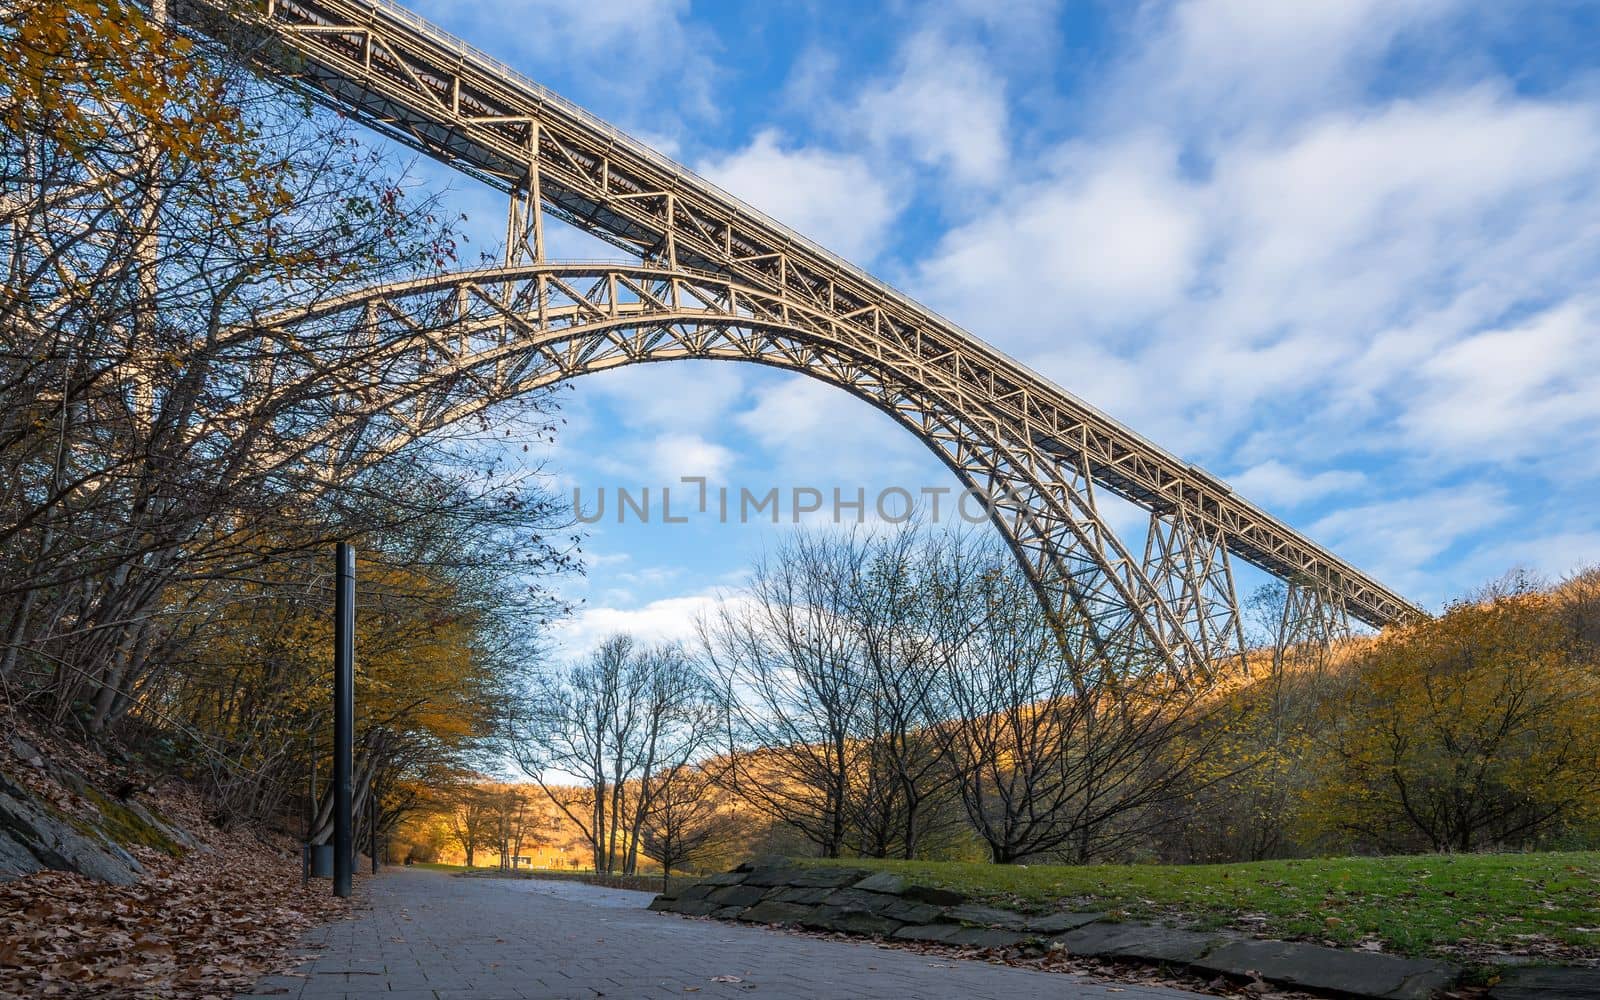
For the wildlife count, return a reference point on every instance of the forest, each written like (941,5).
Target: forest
(901,695)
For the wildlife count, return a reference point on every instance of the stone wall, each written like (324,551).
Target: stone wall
(855,901)
(773,890)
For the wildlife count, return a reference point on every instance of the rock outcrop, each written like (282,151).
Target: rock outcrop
(36,834)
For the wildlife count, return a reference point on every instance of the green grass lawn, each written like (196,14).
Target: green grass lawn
(1464,905)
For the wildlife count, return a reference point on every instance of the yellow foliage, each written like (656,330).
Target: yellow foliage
(417,669)
(1472,729)
(88,70)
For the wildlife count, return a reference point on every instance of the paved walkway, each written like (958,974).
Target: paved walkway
(427,936)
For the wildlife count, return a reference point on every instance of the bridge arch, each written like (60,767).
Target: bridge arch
(461,343)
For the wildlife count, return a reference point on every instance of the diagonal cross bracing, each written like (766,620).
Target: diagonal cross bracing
(405,78)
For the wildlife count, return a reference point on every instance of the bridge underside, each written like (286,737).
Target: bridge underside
(462,344)
(722,281)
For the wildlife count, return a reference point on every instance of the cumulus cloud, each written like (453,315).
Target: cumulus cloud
(1227,64)
(1273,237)
(945,107)
(817,432)
(670,619)
(1273,482)
(1323,265)
(1513,391)
(587,38)
(674,455)
(1551,555)
(1112,236)
(836,199)
(683,395)
(1399,538)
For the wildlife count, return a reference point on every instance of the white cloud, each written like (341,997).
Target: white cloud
(818,432)
(673,456)
(670,619)
(1552,556)
(1511,392)
(796,410)
(1272,482)
(1231,63)
(835,199)
(618,46)
(1307,273)
(1399,538)
(1268,245)
(1361,214)
(679,395)
(1111,236)
(946,106)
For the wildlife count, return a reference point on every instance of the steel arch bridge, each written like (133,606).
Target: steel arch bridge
(718,280)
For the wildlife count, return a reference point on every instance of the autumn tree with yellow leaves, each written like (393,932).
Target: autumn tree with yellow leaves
(163,528)
(1472,730)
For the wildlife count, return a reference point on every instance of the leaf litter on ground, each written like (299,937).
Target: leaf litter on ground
(207,924)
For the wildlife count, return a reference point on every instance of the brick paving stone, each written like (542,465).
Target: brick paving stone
(426,936)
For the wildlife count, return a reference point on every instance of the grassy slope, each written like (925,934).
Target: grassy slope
(1466,904)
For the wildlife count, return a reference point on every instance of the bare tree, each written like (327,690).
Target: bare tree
(564,732)
(680,722)
(690,819)
(472,822)
(790,672)
(613,722)
(515,820)
(1054,754)
(903,775)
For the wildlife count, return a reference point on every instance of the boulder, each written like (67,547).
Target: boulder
(770,877)
(1056,923)
(176,834)
(1535,982)
(1361,973)
(835,918)
(904,910)
(791,894)
(770,912)
(764,861)
(985,916)
(1145,941)
(687,907)
(959,936)
(936,896)
(737,895)
(15,860)
(887,882)
(827,877)
(56,843)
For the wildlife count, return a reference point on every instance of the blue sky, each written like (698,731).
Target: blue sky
(1342,253)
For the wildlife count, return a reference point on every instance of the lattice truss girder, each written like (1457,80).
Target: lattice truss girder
(722,281)
(435,352)
(405,78)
